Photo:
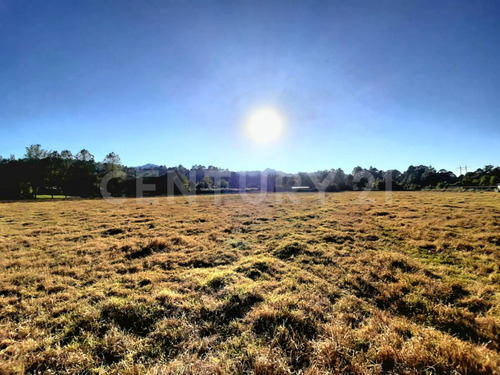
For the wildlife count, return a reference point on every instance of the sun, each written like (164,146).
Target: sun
(264,125)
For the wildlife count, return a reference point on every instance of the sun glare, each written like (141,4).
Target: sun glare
(264,125)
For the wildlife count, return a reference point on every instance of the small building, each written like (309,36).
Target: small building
(302,188)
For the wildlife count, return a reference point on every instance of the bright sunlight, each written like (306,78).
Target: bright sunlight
(264,125)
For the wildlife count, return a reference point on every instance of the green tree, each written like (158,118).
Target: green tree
(34,154)
(82,175)
(84,156)
(112,161)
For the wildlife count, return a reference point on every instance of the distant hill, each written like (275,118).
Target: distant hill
(148,166)
(267,172)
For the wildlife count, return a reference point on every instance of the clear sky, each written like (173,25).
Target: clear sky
(381,83)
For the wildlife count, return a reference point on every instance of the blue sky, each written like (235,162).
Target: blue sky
(381,83)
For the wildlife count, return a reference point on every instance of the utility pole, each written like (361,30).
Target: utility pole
(465,169)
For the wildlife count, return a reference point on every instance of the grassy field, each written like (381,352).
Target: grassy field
(275,285)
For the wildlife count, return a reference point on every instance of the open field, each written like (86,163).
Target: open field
(278,284)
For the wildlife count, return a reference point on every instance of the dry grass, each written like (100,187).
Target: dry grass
(276,285)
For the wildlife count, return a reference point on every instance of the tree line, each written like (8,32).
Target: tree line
(43,172)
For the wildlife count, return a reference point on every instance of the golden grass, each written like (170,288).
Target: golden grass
(266,285)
